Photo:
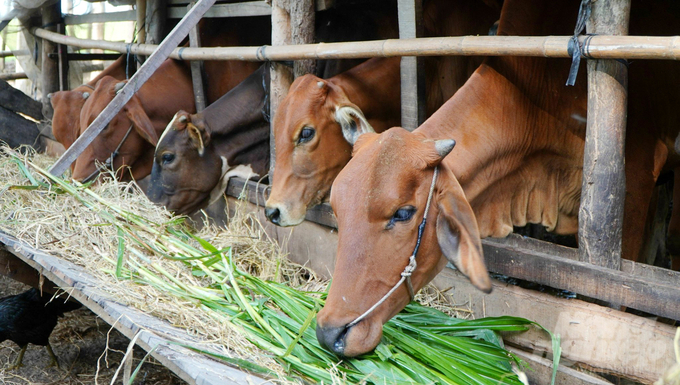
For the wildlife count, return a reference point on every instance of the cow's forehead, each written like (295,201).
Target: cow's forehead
(383,170)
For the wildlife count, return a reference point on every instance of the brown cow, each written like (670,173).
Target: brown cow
(197,154)
(66,105)
(136,128)
(166,92)
(519,159)
(305,167)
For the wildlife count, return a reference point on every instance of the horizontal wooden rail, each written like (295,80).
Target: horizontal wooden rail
(599,47)
(14,76)
(643,287)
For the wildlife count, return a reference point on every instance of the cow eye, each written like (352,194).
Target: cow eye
(167,158)
(306,134)
(402,215)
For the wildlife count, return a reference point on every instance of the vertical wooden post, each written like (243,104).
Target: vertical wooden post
(156,15)
(51,17)
(197,68)
(302,16)
(604,179)
(141,21)
(412,74)
(281,76)
(63,61)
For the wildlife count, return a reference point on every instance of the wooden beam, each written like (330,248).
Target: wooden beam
(302,16)
(62,61)
(251,8)
(14,76)
(541,371)
(604,180)
(594,337)
(281,76)
(196,68)
(156,15)
(100,17)
(140,18)
(138,79)
(17,101)
(412,71)
(51,16)
(155,336)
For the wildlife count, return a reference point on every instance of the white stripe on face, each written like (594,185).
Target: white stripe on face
(167,128)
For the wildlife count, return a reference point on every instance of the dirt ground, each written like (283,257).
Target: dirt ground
(80,343)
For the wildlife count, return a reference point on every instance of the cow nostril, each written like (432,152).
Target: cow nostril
(332,339)
(273,214)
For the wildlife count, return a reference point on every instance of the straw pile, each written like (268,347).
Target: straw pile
(233,287)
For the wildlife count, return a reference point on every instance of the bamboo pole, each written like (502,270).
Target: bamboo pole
(604,178)
(412,71)
(599,47)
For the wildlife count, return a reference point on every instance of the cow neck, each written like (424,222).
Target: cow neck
(373,87)
(505,144)
(243,106)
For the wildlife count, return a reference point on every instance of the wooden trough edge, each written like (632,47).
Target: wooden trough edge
(642,287)
(155,336)
(594,337)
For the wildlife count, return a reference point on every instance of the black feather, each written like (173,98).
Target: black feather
(29,318)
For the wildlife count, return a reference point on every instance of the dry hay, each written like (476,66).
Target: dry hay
(63,226)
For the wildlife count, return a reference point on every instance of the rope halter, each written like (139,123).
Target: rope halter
(109,161)
(412,264)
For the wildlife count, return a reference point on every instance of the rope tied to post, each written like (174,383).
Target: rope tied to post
(574,46)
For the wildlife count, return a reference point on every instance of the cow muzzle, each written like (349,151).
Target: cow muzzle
(281,215)
(332,339)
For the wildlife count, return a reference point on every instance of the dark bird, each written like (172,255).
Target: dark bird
(29,318)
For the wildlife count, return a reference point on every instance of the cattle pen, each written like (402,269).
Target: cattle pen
(631,346)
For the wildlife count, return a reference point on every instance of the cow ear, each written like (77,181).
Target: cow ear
(458,235)
(140,121)
(353,122)
(199,137)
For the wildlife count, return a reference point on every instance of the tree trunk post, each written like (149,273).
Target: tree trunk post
(604,179)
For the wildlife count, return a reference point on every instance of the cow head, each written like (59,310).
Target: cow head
(66,118)
(379,199)
(310,147)
(187,173)
(136,146)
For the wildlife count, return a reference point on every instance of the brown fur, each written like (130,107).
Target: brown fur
(518,159)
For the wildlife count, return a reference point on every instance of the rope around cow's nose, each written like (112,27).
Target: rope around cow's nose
(412,264)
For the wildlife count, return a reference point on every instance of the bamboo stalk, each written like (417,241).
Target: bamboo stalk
(599,47)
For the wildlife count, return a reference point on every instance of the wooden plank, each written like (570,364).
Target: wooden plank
(642,287)
(593,336)
(140,19)
(62,61)
(100,17)
(132,86)
(541,372)
(251,8)
(410,15)
(156,336)
(604,179)
(15,100)
(197,69)
(51,16)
